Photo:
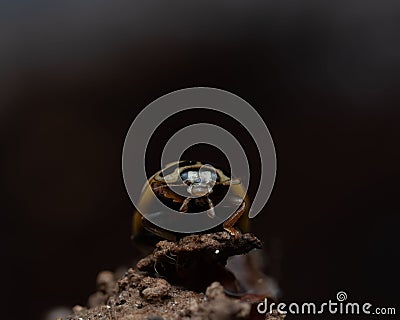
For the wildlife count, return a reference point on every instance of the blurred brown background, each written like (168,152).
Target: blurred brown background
(324,75)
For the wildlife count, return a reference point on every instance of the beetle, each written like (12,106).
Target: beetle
(200,187)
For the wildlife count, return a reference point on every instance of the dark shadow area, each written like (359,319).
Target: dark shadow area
(323,75)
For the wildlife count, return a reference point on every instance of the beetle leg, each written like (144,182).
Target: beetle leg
(155,268)
(232,181)
(170,257)
(185,205)
(228,225)
(210,211)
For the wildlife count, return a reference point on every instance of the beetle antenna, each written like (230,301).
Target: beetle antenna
(168,185)
(232,181)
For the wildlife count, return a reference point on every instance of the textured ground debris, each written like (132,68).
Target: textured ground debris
(204,256)
(160,286)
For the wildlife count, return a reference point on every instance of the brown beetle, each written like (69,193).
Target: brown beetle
(201,187)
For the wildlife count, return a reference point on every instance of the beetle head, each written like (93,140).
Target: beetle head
(199,181)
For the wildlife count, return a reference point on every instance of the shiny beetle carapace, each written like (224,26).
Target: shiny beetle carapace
(202,187)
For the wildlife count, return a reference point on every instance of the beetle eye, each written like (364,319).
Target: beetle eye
(208,174)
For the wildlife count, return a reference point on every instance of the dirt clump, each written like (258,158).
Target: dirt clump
(179,280)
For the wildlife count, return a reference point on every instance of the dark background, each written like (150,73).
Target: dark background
(324,75)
